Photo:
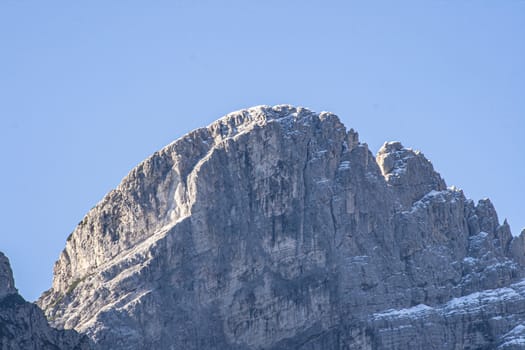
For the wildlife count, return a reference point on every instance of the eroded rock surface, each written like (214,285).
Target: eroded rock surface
(23,325)
(275,228)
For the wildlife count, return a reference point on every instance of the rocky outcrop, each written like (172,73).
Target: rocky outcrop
(7,283)
(275,228)
(408,173)
(23,325)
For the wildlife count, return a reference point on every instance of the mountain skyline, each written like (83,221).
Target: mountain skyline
(90,91)
(275,227)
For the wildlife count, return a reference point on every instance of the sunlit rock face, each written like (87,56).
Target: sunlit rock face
(23,325)
(275,228)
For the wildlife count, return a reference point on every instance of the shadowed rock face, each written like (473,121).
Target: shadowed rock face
(7,283)
(23,325)
(275,228)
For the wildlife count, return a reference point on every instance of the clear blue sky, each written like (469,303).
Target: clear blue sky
(89,89)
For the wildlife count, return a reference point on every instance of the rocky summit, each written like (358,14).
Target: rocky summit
(276,228)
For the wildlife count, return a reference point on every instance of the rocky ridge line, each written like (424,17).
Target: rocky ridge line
(274,227)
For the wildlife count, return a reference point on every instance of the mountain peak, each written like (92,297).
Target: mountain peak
(246,119)
(269,227)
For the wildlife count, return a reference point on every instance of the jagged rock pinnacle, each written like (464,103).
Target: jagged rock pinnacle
(408,172)
(7,283)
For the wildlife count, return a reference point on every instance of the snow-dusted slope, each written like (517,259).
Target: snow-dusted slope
(492,319)
(275,228)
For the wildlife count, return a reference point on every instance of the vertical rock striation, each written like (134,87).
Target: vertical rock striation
(274,228)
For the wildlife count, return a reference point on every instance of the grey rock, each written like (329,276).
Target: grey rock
(408,173)
(7,283)
(23,325)
(481,320)
(275,228)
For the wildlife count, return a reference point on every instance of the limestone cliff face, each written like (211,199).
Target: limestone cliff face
(275,228)
(23,325)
